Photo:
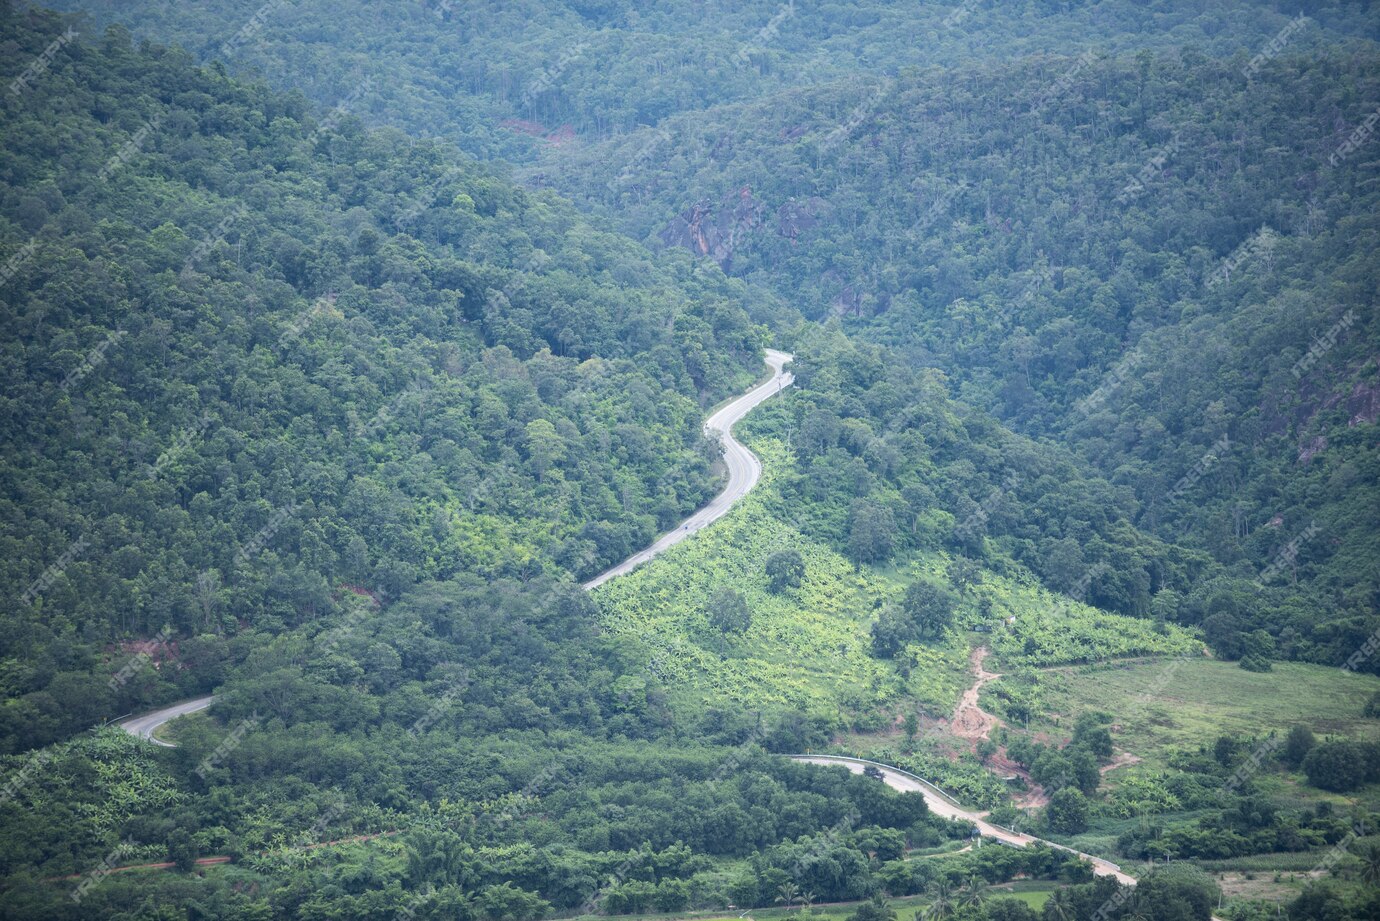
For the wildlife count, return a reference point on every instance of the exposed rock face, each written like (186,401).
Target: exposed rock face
(1314,447)
(796,217)
(1363,406)
(1319,392)
(718,230)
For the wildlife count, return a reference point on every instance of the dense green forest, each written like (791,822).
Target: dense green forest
(343,342)
(978,228)
(511,79)
(241,380)
(1039,227)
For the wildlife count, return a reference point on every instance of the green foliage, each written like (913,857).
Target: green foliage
(1342,764)
(1084,319)
(258,383)
(728,611)
(784,569)
(332,421)
(1067,812)
(803,649)
(929,607)
(875,909)
(1298,744)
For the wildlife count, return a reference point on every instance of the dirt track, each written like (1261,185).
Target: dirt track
(970,721)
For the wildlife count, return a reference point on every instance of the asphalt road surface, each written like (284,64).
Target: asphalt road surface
(744,469)
(143,726)
(942,805)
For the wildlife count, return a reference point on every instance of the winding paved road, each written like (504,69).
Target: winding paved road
(942,804)
(143,726)
(744,470)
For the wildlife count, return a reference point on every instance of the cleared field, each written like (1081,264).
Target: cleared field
(1159,705)
(911,908)
(809,647)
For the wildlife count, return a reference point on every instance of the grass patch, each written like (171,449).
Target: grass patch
(1159,706)
(808,648)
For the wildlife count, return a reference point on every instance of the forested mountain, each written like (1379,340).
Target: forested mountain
(511,79)
(342,342)
(291,398)
(257,359)
(1016,218)
(1154,260)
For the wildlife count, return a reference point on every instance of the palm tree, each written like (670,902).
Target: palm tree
(807,899)
(975,892)
(943,904)
(1059,907)
(1370,866)
(789,893)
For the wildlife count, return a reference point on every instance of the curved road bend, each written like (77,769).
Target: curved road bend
(744,469)
(943,806)
(143,726)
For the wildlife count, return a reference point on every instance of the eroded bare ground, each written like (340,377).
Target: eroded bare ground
(973,724)
(970,721)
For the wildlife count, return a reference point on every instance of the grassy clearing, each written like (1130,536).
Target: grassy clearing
(1159,706)
(808,648)
(911,908)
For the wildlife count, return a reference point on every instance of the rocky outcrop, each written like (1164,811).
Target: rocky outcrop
(716,230)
